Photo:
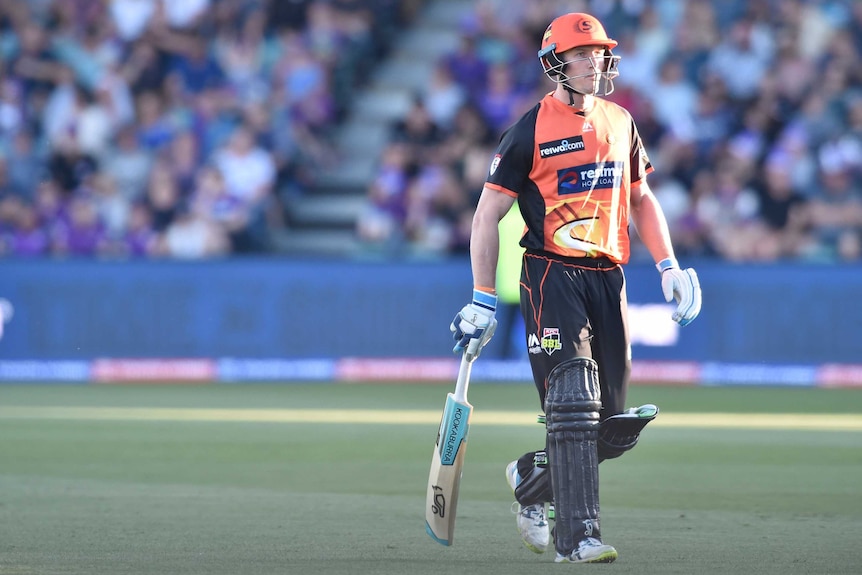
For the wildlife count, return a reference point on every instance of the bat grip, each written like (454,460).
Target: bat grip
(464,377)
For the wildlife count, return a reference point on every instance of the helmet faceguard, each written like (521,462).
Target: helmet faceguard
(572,31)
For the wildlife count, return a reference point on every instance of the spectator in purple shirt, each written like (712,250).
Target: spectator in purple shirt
(140,238)
(84,234)
(27,238)
(467,67)
(502,98)
(50,203)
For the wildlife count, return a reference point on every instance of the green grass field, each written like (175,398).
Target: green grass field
(326,479)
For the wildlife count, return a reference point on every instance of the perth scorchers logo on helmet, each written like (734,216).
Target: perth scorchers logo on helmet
(584,25)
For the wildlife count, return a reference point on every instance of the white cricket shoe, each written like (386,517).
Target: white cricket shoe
(590,550)
(532,523)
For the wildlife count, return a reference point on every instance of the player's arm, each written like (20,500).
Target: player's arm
(676,284)
(485,237)
(650,222)
(475,324)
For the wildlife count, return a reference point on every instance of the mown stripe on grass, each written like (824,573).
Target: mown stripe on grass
(822,421)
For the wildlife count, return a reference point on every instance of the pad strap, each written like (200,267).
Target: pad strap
(535,485)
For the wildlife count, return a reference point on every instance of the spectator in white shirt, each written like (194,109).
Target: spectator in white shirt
(248,169)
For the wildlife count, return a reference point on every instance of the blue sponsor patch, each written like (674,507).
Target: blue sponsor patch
(588,177)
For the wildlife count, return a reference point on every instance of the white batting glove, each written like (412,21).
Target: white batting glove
(682,286)
(475,324)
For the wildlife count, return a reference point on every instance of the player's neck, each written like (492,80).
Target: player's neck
(574,100)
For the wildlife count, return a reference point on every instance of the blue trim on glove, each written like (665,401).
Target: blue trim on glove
(485,300)
(666,264)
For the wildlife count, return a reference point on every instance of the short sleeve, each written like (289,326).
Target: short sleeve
(513,159)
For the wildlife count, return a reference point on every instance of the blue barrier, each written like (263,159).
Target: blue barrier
(285,308)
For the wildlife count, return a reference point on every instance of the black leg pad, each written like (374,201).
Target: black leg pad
(572,406)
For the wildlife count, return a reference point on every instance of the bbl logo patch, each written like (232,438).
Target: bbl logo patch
(551,340)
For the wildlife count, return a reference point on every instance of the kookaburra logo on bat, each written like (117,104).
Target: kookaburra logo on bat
(439,507)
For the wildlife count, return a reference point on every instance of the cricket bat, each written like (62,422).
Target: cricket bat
(447,461)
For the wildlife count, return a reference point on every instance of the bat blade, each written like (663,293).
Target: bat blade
(447,464)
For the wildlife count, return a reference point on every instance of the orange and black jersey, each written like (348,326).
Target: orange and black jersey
(572,173)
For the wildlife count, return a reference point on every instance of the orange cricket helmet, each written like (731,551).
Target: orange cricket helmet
(571,31)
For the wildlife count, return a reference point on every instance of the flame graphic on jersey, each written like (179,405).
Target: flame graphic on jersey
(574,235)
(582,228)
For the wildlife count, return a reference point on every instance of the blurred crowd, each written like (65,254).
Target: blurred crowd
(163,128)
(171,128)
(751,111)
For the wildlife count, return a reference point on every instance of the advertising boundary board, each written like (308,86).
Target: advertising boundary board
(306,319)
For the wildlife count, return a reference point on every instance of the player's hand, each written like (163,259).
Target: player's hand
(682,286)
(475,324)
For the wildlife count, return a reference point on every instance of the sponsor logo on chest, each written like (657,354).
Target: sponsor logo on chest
(564,146)
(588,177)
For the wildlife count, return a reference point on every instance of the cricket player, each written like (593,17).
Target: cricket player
(578,168)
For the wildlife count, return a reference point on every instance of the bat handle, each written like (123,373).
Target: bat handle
(464,377)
